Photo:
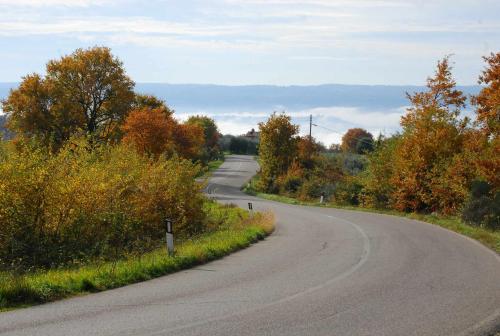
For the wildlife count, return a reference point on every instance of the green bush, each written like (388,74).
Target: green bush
(483,206)
(311,189)
(348,191)
(291,184)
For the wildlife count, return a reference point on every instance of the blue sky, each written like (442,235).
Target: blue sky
(256,41)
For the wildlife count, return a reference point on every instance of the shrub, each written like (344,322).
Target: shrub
(311,189)
(348,191)
(290,182)
(483,206)
(84,202)
(242,145)
(376,179)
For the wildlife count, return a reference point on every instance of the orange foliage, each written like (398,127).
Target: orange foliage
(87,90)
(188,140)
(489,163)
(307,149)
(487,143)
(150,130)
(352,137)
(488,100)
(431,143)
(154,132)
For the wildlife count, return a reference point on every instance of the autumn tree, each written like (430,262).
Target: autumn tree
(487,141)
(32,112)
(488,100)
(150,130)
(151,102)
(188,141)
(307,150)
(357,140)
(87,90)
(377,179)
(277,148)
(210,135)
(431,142)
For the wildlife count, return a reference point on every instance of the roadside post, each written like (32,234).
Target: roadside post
(250,208)
(209,192)
(322,198)
(169,236)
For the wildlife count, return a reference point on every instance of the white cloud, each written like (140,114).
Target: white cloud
(317,37)
(141,25)
(53,3)
(317,40)
(326,3)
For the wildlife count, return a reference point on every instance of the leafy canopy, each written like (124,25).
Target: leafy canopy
(277,149)
(86,91)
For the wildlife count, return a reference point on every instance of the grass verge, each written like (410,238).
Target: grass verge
(211,166)
(214,165)
(489,238)
(232,229)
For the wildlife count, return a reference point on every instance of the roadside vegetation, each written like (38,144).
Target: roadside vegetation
(88,177)
(442,167)
(239,144)
(230,229)
(488,237)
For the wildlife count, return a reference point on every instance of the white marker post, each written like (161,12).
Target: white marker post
(250,207)
(169,236)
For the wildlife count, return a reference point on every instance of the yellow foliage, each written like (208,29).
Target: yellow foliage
(90,202)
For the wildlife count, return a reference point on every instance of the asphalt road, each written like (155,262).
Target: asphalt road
(323,272)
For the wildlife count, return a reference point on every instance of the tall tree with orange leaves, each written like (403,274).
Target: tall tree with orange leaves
(488,100)
(153,131)
(431,141)
(210,134)
(357,140)
(487,104)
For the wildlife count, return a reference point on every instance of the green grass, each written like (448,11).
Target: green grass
(487,237)
(233,230)
(212,166)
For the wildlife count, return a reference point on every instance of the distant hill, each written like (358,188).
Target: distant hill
(257,97)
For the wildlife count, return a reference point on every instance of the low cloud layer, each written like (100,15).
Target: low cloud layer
(332,122)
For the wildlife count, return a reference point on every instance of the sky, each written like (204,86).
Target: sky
(234,42)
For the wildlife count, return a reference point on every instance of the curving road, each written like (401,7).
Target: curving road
(323,272)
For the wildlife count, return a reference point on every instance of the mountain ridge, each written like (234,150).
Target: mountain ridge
(294,97)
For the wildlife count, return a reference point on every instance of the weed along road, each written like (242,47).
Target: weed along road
(322,272)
